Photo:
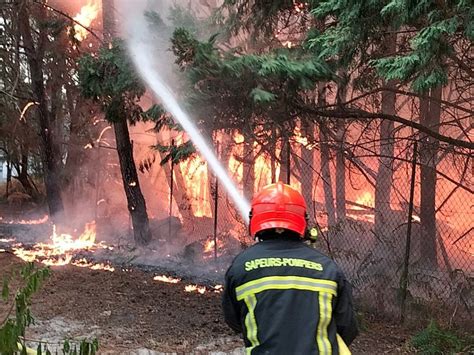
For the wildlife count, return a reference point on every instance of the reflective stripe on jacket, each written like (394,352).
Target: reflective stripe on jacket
(287,298)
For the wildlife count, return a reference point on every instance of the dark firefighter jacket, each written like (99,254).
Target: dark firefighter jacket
(287,298)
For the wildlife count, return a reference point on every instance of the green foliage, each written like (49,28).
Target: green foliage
(184,47)
(19,317)
(259,95)
(184,18)
(438,30)
(109,79)
(13,327)
(435,340)
(154,20)
(268,85)
(176,153)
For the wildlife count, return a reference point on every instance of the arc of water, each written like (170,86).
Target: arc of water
(146,69)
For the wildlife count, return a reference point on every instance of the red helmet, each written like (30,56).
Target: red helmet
(278,206)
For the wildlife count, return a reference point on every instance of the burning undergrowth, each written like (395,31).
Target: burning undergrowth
(198,265)
(61,248)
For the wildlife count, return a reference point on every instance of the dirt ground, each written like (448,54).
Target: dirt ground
(129,312)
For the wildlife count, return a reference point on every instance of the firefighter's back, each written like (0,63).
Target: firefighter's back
(286,292)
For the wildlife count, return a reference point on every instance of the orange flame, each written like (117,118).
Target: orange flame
(62,249)
(65,242)
(168,279)
(101,266)
(366,199)
(209,246)
(6,240)
(236,167)
(195,178)
(195,288)
(29,222)
(218,288)
(85,17)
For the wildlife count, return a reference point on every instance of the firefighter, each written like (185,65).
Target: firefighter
(284,296)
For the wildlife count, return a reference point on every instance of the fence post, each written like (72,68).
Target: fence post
(97,179)
(9,178)
(171,188)
(288,162)
(130,219)
(216,199)
(404,276)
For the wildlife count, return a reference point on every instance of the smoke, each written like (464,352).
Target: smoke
(149,53)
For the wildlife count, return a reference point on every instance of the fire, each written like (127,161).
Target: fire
(366,199)
(263,172)
(29,222)
(236,167)
(62,249)
(101,266)
(366,217)
(85,17)
(209,246)
(65,242)
(195,288)
(6,240)
(168,279)
(195,178)
(218,288)
(298,137)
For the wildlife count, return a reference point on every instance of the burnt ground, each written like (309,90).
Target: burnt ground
(128,311)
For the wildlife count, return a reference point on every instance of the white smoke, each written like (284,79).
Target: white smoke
(154,64)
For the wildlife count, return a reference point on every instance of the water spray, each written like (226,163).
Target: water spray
(141,55)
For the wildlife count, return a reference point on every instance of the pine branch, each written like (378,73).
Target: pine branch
(361,114)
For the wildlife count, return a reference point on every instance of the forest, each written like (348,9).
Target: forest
(134,134)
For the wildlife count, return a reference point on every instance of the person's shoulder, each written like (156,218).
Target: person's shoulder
(321,257)
(247,252)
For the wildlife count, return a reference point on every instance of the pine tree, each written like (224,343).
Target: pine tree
(108,78)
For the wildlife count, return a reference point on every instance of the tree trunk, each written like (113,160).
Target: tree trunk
(23,177)
(49,153)
(9,178)
(273,156)
(225,151)
(285,154)
(248,174)
(306,170)
(340,172)
(340,160)
(179,190)
(383,183)
(324,161)
(326,175)
(131,185)
(72,168)
(430,117)
(108,19)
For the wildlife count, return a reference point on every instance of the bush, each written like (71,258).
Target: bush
(13,326)
(435,340)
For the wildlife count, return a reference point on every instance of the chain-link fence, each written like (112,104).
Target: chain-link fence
(359,195)
(367,233)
